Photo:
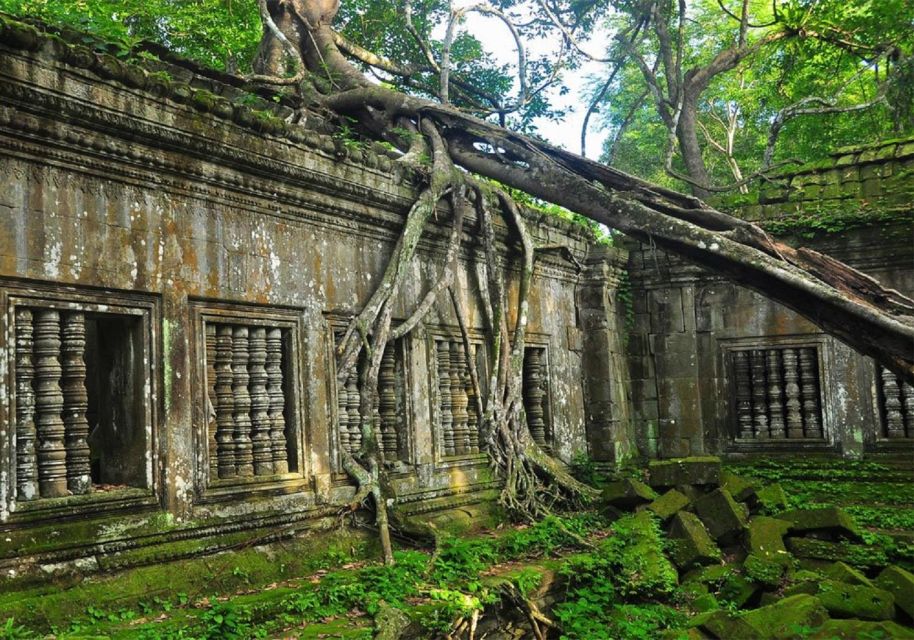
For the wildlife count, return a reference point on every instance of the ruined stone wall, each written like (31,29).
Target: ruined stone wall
(716,367)
(175,267)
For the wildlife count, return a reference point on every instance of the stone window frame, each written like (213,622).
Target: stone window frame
(877,438)
(477,338)
(288,319)
(820,342)
(338,324)
(147,310)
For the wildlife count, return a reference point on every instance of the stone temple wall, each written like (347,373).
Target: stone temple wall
(717,368)
(175,267)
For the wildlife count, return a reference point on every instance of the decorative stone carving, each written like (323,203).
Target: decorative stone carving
(908,406)
(534,394)
(52,454)
(352,409)
(211,443)
(244,453)
(792,393)
(472,409)
(76,402)
(775,399)
(759,394)
(459,399)
(342,410)
(225,403)
(26,460)
(262,447)
(891,405)
(809,388)
(444,403)
(387,405)
(743,393)
(276,411)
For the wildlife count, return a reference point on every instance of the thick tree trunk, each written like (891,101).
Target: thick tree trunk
(687,134)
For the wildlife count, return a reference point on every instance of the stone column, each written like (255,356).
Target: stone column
(610,435)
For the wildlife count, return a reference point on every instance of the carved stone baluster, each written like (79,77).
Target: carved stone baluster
(277,409)
(260,404)
(444,389)
(387,405)
(775,394)
(225,403)
(76,402)
(891,394)
(792,392)
(533,394)
(908,392)
(472,412)
(459,399)
(342,410)
(210,407)
(244,454)
(809,387)
(743,385)
(52,454)
(759,394)
(26,460)
(352,408)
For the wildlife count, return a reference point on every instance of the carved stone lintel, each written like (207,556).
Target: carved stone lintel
(743,383)
(52,454)
(277,399)
(244,455)
(262,449)
(225,403)
(775,395)
(76,402)
(26,460)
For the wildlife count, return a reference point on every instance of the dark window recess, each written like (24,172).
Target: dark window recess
(457,410)
(79,402)
(776,392)
(248,385)
(536,395)
(896,405)
(389,406)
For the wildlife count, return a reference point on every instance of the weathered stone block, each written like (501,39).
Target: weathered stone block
(667,505)
(899,583)
(845,573)
(740,488)
(627,494)
(692,545)
(857,629)
(766,570)
(723,624)
(844,600)
(856,555)
(722,515)
(772,498)
(831,520)
(766,537)
(696,470)
(781,619)
(737,590)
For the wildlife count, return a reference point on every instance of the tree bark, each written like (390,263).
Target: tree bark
(689,147)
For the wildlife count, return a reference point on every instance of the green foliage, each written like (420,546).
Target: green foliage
(12,631)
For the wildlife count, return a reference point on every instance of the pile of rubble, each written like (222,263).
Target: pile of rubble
(753,568)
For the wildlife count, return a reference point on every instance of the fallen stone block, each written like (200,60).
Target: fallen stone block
(627,494)
(736,590)
(690,542)
(766,570)
(784,617)
(899,583)
(766,537)
(844,600)
(697,470)
(667,505)
(740,488)
(858,629)
(856,555)
(722,515)
(829,520)
(845,573)
(771,499)
(723,624)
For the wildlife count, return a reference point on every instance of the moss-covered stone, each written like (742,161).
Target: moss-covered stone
(766,537)
(690,542)
(667,505)
(843,572)
(860,629)
(767,570)
(695,470)
(722,515)
(772,499)
(857,555)
(644,568)
(784,617)
(627,494)
(830,520)
(737,589)
(899,583)
(740,488)
(844,600)
(723,624)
